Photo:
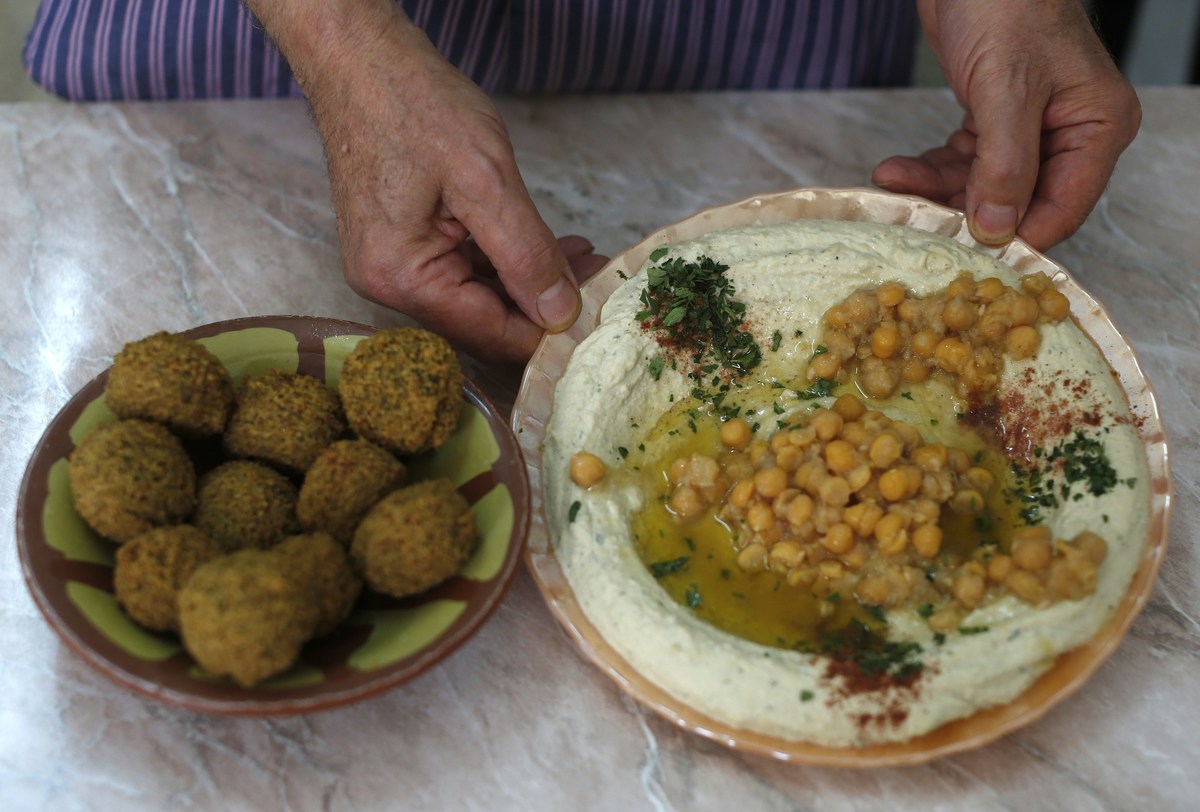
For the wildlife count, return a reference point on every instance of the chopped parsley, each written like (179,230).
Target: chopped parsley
(806,696)
(573,512)
(692,596)
(1085,467)
(972,629)
(690,307)
(925,610)
(873,654)
(820,388)
(658,253)
(623,451)
(820,349)
(660,569)
(776,340)
(656,367)
(906,395)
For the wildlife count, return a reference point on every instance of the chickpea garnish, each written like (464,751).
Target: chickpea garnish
(587,469)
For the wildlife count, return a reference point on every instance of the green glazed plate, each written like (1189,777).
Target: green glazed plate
(385,643)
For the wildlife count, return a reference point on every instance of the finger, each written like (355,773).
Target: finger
(496,208)
(465,309)
(1067,191)
(572,246)
(1007,115)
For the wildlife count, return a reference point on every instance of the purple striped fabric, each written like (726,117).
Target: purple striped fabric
(169,49)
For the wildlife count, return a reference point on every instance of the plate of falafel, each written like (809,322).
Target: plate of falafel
(273,515)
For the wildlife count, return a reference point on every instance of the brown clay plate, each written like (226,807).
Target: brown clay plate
(536,402)
(386,642)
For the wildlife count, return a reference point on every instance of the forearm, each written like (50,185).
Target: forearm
(325,40)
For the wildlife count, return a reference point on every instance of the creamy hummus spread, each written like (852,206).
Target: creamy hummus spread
(612,402)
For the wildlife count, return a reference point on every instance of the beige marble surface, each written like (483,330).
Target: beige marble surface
(116,221)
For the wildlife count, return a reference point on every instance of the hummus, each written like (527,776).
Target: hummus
(612,400)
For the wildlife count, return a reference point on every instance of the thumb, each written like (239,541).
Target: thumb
(1006,114)
(528,259)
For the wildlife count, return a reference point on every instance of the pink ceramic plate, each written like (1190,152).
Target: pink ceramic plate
(385,643)
(536,401)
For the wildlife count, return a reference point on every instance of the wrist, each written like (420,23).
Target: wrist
(329,38)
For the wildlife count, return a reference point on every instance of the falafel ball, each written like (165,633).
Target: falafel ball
(415,538)
(240,616)
(402,389)
(285,419)
(344,482)
(167,378)
(322,567)
(130,477)
(153,567)
(244,504)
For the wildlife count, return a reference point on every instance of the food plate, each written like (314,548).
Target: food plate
(385,643)
(535,404)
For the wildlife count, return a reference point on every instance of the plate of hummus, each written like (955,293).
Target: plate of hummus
(817,476)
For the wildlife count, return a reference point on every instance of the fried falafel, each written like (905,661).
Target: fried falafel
(402,389)
(241,616)
(414,538)
(152,568)
(344,482)
(131,476)
(323,569)
(285,419)
(244,504)
(169,379)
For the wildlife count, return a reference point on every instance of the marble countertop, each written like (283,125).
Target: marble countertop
(119,220)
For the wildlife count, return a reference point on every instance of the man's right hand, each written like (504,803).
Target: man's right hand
(433,216)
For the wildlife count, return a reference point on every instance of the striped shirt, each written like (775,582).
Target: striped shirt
(182,49)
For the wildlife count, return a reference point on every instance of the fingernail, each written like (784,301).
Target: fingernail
(558,305)
(995,224)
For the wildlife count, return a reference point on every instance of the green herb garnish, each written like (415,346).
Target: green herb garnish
(656,367)
(972,629)
(662,568)
(776,340)
(806,696)
(658,253)
(820,388)
(573,512)
(692,596)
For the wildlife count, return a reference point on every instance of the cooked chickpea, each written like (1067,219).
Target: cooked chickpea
(924,343)
(967,502)
(824,366)
(1032,554)
(960,314)
(835,491)
(893,485)
(874,590)
(586,469)
(780,503)
(802,437)
(927,540)
(777,442)
(981,479)
(800,510)
(885,340)
(890,294)
(998,568)
(686,503)
(891,534)
(951,354)
(859,477)
(678,469)
(786,554)
(840,456)
(849,407)
(1091,545)
(1025,585)
(742,493)
(877,377)
(856,434)
(968,589)
(990,289)
(963,285)
(753,558)
(831,570)
(913,370)
(788,457)
(760,516)
(802,576)
(1024,309)
(735,433)
(826,424)
(885,449)
(838,539)
(1053,304)
(1022,342)
(932,457)
(769,482)
(758,449)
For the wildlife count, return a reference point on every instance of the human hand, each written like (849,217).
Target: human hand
(433,216)
(1047,115)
